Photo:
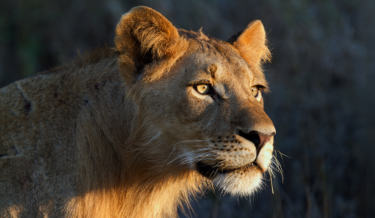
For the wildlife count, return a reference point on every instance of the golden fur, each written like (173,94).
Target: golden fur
(123,132)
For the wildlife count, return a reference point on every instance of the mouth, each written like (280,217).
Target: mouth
(212,172)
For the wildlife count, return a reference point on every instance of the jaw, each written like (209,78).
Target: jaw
(242,181)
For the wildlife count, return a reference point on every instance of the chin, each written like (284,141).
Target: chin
(240,182)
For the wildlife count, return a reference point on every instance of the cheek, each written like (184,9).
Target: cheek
(194,107)
(197,103)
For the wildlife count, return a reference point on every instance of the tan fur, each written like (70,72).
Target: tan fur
(120,132)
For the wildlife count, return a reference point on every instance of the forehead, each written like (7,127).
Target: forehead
(220,61)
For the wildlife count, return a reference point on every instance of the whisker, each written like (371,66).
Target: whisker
(201,156)
(143,146)
(174,148)
(189,141)
(188,153)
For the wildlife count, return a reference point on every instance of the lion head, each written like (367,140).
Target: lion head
(198,100)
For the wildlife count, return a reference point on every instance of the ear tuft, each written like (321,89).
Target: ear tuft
(143,35)
(147,28)
(252,44)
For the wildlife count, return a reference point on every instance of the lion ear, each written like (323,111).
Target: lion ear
(143,36)
(252,44)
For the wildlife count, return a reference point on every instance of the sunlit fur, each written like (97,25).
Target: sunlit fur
(118,133)
(243,183)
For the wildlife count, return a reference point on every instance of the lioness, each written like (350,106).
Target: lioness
(135,130)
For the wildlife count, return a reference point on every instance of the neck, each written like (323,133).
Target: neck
(111,181)
(157,200)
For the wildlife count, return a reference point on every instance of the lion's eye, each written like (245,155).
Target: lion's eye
(203,89)
(255,91)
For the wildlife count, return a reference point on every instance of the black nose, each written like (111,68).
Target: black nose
(257,138)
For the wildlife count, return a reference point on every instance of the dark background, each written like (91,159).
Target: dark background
(321,80)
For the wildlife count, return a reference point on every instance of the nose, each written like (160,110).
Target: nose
(257,138)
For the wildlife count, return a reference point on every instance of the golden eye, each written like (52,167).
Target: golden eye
(203,89)
(255,91)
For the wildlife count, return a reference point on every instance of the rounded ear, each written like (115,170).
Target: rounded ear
(143,35)
(252,44)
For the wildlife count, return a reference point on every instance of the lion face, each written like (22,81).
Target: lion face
(214,110)
(203,101)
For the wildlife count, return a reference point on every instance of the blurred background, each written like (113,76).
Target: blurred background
(320,77)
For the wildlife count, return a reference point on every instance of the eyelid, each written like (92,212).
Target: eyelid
(200,82)
(260,87)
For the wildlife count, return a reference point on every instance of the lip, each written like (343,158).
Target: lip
(211,172)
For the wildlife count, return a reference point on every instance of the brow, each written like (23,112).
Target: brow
(212,68)
(261,82)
